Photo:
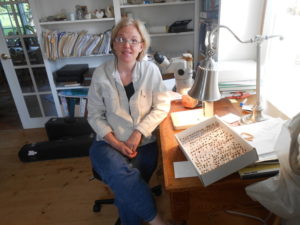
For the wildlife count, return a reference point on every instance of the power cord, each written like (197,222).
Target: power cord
(263,221)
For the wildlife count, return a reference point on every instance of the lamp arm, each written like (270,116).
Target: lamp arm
(222,26)
(257,39)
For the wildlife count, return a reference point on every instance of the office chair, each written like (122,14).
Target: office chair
(156,190)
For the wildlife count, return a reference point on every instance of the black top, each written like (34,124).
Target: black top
(129,90)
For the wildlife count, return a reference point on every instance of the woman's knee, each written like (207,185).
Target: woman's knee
(100,151)
(111,164)
(101,156)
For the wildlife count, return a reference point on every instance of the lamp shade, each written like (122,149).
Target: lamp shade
(205,87)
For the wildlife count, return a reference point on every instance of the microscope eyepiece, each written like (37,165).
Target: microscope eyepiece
(159,58)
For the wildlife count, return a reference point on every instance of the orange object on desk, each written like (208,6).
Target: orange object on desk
(189,102)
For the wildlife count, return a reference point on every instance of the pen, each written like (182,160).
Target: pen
(243,102)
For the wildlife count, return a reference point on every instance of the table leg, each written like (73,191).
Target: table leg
(180,206)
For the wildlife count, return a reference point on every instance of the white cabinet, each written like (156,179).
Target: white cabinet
(154,15)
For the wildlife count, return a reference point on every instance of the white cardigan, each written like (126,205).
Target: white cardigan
(110,111)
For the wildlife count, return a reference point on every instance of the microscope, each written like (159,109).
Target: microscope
(181,67)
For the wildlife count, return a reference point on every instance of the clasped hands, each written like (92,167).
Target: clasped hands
(129,147)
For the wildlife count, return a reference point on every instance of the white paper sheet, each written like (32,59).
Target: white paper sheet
(264,134)
(230,118)
(184,169)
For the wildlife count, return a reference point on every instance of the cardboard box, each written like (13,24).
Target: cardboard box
(215,150)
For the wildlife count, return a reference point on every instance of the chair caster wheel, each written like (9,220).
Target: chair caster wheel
(157,191)
(97,207)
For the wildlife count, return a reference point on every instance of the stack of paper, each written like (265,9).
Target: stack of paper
(237,76)
(264,135)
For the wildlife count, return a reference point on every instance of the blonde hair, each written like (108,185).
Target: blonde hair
(141,29)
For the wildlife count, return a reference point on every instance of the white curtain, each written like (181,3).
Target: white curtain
(282,61)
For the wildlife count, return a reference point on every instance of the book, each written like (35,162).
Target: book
(69,45)
(87,77)
(53,45)
(80,39)
(64,105)
(215,150)
(71,84)
(260,170)
(46,43)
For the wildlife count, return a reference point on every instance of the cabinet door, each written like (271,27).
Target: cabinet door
(23,65)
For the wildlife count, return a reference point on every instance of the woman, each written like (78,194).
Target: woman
(126,102)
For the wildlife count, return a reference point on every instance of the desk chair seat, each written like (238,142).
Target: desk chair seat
(99,202)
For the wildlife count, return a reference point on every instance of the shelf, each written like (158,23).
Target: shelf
(76,21)
(172,34)
(156,4)
(83,56)
(62,87)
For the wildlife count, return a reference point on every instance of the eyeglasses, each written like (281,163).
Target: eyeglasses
(132,42)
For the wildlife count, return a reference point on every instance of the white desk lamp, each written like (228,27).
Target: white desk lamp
(205,87)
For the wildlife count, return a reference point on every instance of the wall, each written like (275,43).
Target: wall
(245,19)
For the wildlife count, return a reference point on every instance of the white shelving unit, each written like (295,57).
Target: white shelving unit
(42,9)
(170,44)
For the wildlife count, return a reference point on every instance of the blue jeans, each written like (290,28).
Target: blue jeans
(128,179)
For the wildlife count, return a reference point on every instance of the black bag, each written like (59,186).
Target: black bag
(62,128)
(57,149)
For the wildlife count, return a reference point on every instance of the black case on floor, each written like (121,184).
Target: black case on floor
(57,149)
(62,128)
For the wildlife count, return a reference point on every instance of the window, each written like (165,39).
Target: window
(12,13)
(282,62)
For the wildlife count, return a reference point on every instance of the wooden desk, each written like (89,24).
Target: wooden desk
(187,195)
